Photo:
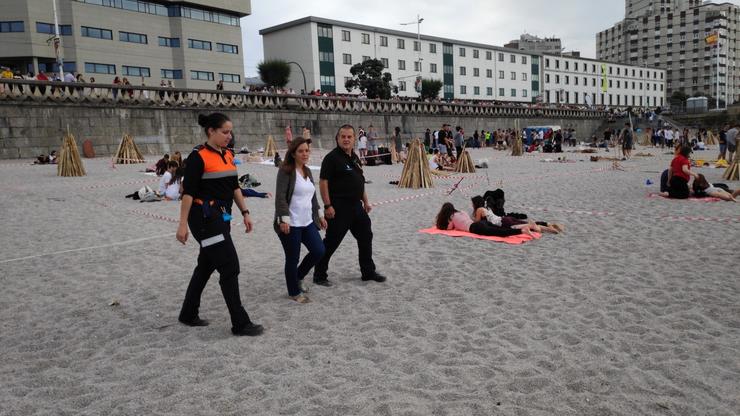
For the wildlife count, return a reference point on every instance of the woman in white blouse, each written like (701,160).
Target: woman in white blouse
(297,217)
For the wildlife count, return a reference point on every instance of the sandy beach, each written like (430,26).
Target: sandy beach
(633,311)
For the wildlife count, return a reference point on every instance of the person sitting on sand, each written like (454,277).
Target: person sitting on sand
(679,175)
(482,212)
(702,188)
(449,218)
(167,176)
(161,167)
(173,187)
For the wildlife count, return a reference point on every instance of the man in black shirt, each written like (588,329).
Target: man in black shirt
(342,186)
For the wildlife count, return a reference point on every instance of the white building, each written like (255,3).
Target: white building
(571,80)
(326,50)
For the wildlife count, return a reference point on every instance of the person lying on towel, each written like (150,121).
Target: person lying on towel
(482,212)
(449,218)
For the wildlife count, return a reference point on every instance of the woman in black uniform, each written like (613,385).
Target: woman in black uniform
(210,187)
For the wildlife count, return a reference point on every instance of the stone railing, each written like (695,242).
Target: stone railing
(116,95)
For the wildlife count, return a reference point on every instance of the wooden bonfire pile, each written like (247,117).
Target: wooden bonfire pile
(128,152)
(517,148)
(711,138)
(69,162)
(270,147)
(733,171)
(416,173)
(465,163)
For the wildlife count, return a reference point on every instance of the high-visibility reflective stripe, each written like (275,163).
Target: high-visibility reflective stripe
(212,240)
(219,174)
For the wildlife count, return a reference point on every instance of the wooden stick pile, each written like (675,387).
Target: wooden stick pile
(128,152)
(733,171)
(270,147)
(711,138)
(646,139)
(416,172)
(69,163)
(517,148)
(465,163)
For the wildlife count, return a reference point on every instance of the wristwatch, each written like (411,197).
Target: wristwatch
(246,211)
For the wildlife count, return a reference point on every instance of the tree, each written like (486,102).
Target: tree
(678,99)
(369,78)
(274,73)
(430,88)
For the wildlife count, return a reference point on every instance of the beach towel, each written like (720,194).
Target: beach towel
(691,198)
(514,239)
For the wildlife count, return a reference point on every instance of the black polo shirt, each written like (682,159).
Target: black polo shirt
(344,173)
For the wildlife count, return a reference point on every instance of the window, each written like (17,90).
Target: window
(463,70)
(366,38)
(567,65)
(327,80)
(169,42)
(346,36)
(557,79)
(489,56)
(326,56)
(132,37)
(547,78)
(93,32)
(462,51)
(501,92)
(401,65)
(513,76)
(417,66)
(135,71)
(476,53)
(567,80)
(384,41)
(234,78)
(199,44)
(48,28)
(171,73)
(463,89)
(513,59)
(557,64)
(524,62)
(93,68)
(447,49)
(524,76)
(365,58)
(513,92)
(401,85)
(346,59)
(489,73)
(6,27)
(226,48)
(201,75)
(524,93)
(385,62)
(417,46)
(447,69)
(547,62)
(401,44)
(432,48)
(500,74)
(575,80)
(500,57)
(489,91)
(476,72)
(476,90)
(433,68)
(325,31)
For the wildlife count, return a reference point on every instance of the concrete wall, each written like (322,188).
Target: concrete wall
(27,130)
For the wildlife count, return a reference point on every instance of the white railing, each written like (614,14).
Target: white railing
(12,90)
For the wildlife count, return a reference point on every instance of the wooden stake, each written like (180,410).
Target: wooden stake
(733,171)
(270,147)
(69,162)
(128,152)
(465,163)
(416,172)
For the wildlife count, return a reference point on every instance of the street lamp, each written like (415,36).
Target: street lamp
(417,22)
(305,90)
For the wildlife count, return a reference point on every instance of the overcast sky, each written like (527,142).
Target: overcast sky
(493,22)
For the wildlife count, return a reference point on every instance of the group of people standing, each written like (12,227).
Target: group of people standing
(210,188)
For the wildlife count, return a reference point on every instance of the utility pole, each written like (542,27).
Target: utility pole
(418,21)
(57,42)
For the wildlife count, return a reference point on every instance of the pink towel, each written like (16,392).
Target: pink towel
(691,198)
(514,239)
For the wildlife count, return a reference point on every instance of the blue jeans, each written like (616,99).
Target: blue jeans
(294,273)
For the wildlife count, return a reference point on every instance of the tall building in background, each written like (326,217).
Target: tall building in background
(672,35)
(192,43)
(531,43)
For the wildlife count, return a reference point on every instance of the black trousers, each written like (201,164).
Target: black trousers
(217,252)
(350,216)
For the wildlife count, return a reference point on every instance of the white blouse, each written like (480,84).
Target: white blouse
(301,211)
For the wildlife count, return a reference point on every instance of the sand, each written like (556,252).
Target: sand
(634,311)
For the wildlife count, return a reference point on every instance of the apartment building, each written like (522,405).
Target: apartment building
(191,43)
(326,50)
(670,34)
